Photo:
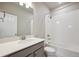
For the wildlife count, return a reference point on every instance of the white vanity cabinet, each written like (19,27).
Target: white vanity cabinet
(36,50)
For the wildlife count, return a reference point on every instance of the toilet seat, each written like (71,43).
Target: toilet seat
(50,52)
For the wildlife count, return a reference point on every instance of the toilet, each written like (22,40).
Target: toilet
(49,50)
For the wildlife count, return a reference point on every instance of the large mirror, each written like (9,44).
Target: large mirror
(15,19)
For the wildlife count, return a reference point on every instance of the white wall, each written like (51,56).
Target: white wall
(67,30)
(40,10)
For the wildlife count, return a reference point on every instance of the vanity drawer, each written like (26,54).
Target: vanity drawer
(27,51)
(22,53)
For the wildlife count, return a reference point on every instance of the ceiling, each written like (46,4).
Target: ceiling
(50,5)
(53,5)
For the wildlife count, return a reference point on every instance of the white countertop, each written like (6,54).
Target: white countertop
(14,46)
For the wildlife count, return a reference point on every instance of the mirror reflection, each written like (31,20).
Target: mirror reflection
(15,19)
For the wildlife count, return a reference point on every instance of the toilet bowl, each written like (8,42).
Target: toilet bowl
(50,51)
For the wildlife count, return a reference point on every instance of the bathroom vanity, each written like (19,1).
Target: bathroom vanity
(31,47)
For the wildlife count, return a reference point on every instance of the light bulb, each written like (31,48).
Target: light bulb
(27,5)
(30,4)
(21,3)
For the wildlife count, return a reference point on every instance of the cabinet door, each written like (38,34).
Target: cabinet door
(39,52)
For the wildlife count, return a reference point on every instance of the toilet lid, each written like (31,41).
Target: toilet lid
(49,49)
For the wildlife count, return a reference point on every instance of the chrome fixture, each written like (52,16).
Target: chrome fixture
(26,4)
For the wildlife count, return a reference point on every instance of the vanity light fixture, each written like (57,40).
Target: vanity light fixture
(27,4)
(21,3)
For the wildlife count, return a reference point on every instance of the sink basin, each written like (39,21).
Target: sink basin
(25,41)
(29,40)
